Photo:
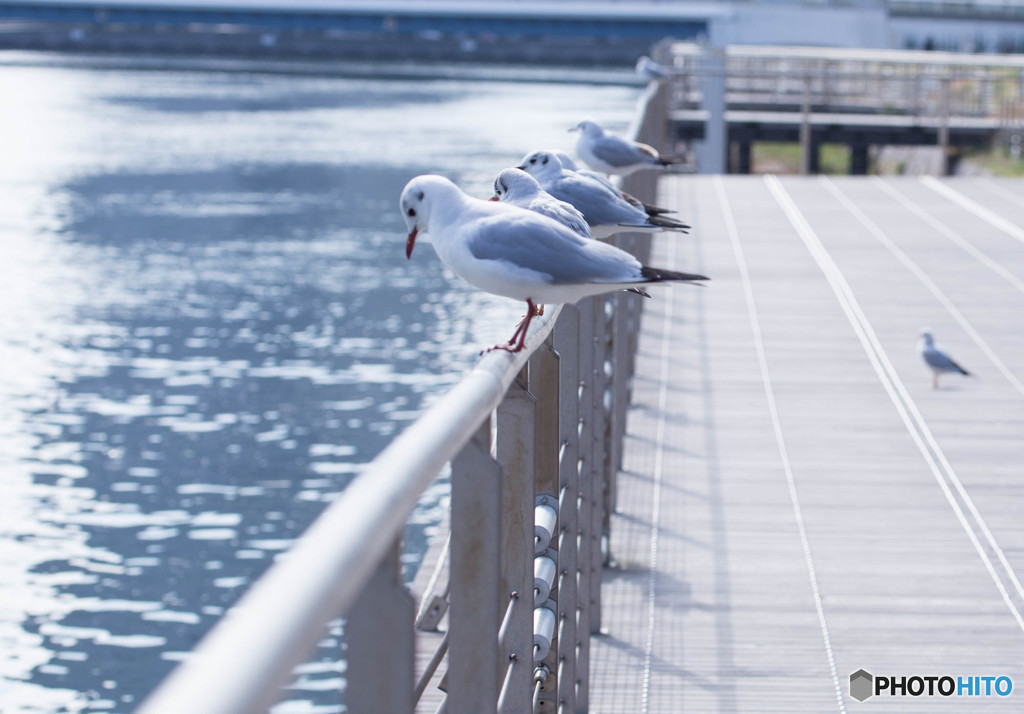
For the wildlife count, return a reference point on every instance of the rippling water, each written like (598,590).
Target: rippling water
(207,324)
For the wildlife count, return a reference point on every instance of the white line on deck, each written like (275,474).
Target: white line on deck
(999,191)
(897,392)
(990,217)
(769,391)
(659,463)
(934,289)
(945,230)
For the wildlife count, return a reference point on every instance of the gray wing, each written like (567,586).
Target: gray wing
(562,212)
(599,205)
(617,151)
(597,176)
(545,247)
(937,359)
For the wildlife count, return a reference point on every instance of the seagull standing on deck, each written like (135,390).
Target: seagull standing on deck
(937,360)
(612,154)
(603,207)
(516,253)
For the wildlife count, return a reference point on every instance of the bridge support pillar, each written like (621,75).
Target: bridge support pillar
(740,158)
(859,159)
(810,155)
(950,162)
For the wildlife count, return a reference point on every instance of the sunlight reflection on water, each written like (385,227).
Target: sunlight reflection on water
(207,326)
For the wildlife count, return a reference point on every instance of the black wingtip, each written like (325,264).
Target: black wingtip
(677,165)
(669,223)
(657,275)
(665,160)
(638,291)
(655,210)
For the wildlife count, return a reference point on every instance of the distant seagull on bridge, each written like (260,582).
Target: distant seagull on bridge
(569,165)
(516,253)
(518,188)
(612,154)
(604,208)
(649,69)
(938,361)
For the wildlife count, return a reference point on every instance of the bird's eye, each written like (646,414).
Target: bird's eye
(533,160)
(411,212)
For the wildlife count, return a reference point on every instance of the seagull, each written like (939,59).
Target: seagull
(937,360)
(603,208)
(649,69)
(519,188)
(569,165)
(612,154)
(510,251)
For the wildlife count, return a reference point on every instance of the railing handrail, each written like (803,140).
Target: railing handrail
(240,666)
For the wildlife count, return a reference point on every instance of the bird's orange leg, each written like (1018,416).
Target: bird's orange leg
(521,330)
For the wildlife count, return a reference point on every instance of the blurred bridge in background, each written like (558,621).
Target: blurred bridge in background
(522,31)
(606,32)
(729,99)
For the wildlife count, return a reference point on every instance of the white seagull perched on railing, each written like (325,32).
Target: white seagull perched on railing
(938,361)
(569,165)
(518,188)
(516,253)
(604,208)
(649,69)
(612,154)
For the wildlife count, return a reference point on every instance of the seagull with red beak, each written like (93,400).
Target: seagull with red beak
(517,253)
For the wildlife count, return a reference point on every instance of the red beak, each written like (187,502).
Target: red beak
(493,198)
(411,242)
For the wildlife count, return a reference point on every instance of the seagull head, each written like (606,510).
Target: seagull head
(926,336)
(589,128)
(646,67)
(514,184)
(415,204)
(541,164)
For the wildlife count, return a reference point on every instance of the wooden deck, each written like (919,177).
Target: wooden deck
(796,502)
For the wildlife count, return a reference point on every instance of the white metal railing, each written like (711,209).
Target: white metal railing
(534,441)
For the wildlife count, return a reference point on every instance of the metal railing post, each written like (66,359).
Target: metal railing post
(379,638)
(570,674)
(588,578)
(475,601)
(516,452)
(544,386)
(620,377)
(598,456)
